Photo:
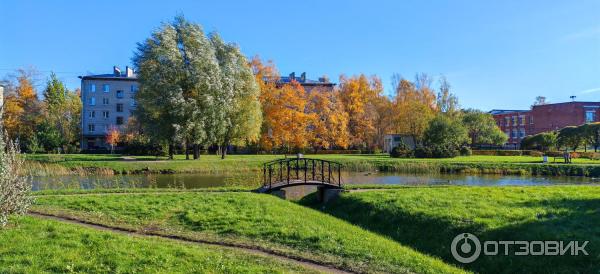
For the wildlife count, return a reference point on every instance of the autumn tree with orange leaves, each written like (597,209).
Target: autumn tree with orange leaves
(22,109)
(285,121)
(414,106)
(329,128)
(112,138)
(359,94)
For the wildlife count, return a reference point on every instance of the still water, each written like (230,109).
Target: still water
(205,180)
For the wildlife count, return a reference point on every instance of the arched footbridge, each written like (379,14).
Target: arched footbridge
(288,172)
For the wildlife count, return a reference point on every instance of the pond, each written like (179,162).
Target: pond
(206,180)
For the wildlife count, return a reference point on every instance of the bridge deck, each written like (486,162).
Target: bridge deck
(280,185)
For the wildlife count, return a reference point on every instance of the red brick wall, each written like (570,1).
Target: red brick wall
(556,116)
(514,123)
(547,118)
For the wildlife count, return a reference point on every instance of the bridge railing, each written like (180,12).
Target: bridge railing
(301,171)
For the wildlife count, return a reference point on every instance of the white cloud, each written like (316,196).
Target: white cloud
(588,91)
(583,34)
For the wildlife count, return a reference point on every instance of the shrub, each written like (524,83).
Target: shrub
(400,152)
(536,153)
(14,188)
(436,151)
(465,151)
(498,152)
(338,151)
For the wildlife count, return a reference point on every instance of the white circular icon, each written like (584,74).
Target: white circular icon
(468,243)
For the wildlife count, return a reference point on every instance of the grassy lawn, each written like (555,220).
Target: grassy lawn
(55,164)
(249,219)
(32,245)
(428,218)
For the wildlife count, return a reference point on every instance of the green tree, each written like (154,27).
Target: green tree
(544,141)
(570,137)
(55,92)
(49,136)
(179,76)
(445,136)
(482,128)
(63,112)
(591,135)
(239,95)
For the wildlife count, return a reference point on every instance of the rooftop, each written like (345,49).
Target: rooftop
(117,74)
(304,81)
(505,111)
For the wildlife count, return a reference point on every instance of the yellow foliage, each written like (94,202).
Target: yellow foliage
(413,109)
(358,95)
(330,126)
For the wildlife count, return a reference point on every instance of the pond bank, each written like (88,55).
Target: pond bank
(235,164)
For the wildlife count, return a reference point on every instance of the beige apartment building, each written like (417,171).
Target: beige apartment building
(108,102)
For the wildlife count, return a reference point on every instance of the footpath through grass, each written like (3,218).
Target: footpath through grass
(44,164)
(248,219)
(33,245)
(428,219)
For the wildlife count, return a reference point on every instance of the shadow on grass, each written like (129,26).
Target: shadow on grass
(577,220)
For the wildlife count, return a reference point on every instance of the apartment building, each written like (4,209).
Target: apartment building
(517,124)
(108,102)
(322,83)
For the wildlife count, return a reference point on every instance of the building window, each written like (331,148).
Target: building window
(119,107)
(92,114)
(132,103)
(105,88)
(105,101)
(91,127)
(522,133)
(105,114)
(119,120)
(531,120)
(514,120)
(514,133)
(134,88)
(93,88)
(590,116)
(507,121)
(120,94)
(92,101)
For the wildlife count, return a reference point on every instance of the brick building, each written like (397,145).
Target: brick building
(519,123)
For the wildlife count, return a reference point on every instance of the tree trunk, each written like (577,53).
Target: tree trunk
(171,151)
(196,152)
(187,152)
(223,151)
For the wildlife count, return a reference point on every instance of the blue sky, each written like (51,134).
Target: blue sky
(496,54)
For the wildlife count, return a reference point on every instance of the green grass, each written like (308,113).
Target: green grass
(33,245)
(111,164)
(428,218)
(249,219)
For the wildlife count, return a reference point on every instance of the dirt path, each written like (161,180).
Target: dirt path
(314,265)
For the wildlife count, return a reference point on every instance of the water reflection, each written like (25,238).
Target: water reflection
(190,181)
(460,179)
